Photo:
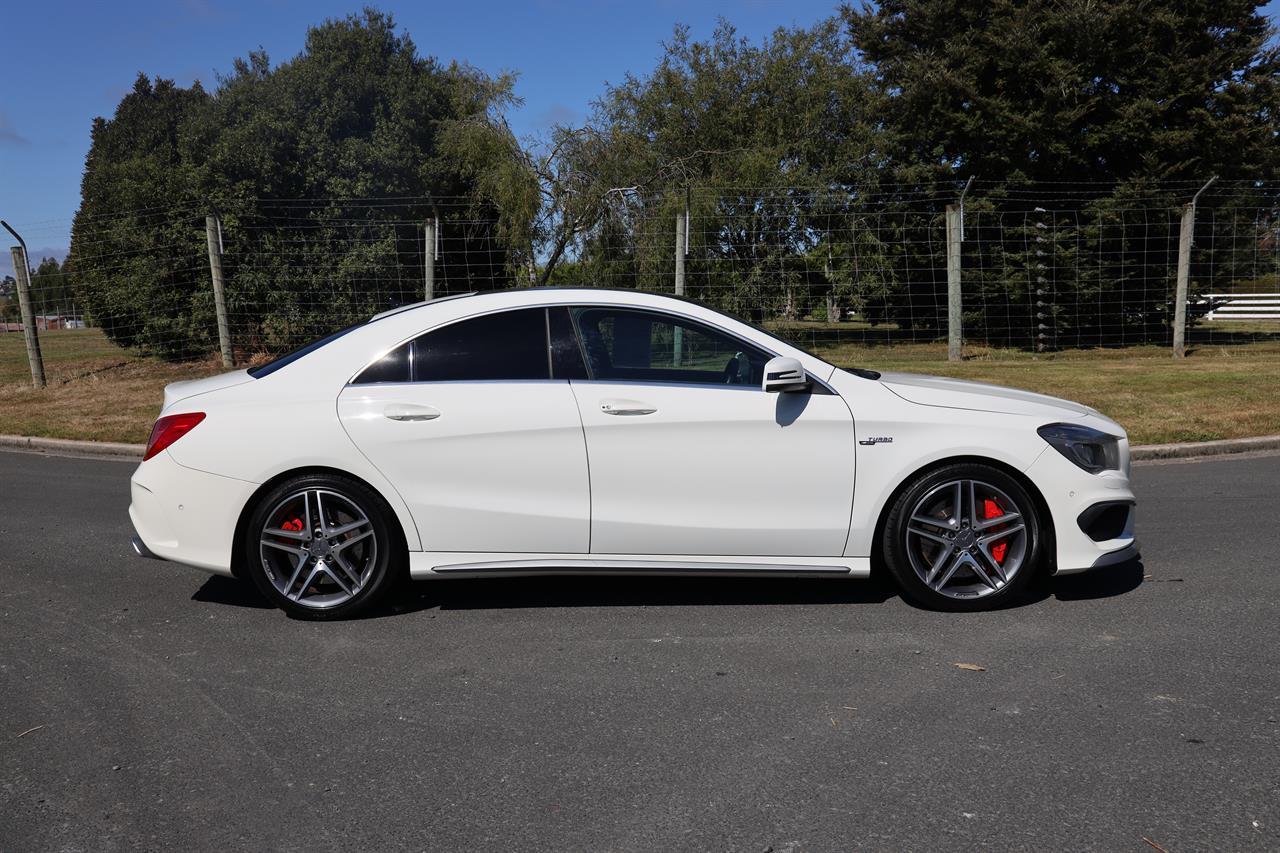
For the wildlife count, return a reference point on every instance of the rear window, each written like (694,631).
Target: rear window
(283,361)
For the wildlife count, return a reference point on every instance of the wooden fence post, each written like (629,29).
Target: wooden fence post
(21,272)
(213,234)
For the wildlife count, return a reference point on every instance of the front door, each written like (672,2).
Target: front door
(688,456)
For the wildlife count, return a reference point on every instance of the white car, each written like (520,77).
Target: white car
(564,431)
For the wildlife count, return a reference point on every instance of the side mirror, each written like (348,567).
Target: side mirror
(784,374)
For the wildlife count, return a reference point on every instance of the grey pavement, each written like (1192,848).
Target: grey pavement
(147,706)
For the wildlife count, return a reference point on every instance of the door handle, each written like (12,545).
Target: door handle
(626,407)
(410,412)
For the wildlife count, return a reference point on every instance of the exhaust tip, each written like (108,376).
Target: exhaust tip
(141,549)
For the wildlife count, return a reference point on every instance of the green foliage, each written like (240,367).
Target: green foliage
(292,157)
(814,164)
(1151,98)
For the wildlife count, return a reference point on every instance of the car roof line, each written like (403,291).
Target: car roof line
(402,308)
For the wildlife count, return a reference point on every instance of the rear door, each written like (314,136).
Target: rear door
(479,435)
(689,456)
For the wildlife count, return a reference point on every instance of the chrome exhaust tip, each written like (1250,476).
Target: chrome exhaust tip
(141,549)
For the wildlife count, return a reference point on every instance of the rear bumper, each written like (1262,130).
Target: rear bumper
(186,516)
(140,548)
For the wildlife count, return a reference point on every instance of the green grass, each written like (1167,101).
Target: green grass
(98,391)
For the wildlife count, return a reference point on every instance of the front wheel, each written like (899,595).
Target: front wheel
(319,547)
(963,537)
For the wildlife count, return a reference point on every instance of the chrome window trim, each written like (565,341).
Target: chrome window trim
(572,305)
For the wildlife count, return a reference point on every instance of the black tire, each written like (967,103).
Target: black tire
(353,570)
(907,559)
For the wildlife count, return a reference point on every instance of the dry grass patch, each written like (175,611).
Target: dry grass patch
(95,390)
(1218,392)
(98,391)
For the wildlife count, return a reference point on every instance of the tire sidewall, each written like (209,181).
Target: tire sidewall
(386,567)
(899,564)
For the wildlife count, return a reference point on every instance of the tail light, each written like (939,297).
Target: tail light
(169,429)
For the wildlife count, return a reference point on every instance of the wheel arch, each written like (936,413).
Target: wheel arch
(237,542)
(1043,516)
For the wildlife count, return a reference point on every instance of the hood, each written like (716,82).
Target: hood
(958,394)
(175,391)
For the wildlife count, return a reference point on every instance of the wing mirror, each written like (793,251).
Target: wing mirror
(784,374)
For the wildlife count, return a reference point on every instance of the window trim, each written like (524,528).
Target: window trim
(413,379)
(591,377)
(571,306)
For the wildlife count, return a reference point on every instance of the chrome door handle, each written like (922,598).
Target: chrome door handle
(410,412)
(626,407)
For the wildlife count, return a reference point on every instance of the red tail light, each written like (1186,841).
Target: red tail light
(169,429)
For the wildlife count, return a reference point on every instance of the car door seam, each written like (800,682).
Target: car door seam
(586,455)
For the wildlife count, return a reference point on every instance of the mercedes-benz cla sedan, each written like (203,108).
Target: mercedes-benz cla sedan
(566,431)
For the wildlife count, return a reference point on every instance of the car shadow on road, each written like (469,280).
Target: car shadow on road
(235,593)
(649,591)
(1105,582)
(629,591)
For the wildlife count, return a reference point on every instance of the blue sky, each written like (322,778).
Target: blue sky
(73,61)
(66,62)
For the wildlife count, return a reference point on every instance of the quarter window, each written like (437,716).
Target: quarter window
(640,346)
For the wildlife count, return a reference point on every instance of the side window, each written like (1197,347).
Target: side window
(392,367)
(640,346)
(506,345)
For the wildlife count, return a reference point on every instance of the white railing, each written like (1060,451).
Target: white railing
(1244,306)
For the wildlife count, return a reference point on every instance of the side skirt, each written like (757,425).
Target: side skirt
(434,564)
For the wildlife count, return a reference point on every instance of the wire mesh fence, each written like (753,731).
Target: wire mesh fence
(1040,268)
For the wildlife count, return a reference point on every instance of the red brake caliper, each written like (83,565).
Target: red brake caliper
(990,510)
(294,525)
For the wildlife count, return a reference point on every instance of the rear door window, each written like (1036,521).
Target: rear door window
(509,345)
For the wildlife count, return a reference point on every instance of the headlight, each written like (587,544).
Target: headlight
(1089,448)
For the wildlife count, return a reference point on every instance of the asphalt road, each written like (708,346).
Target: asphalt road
(146,706)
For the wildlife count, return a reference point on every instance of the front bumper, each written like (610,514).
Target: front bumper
(184,515)
(1069,492)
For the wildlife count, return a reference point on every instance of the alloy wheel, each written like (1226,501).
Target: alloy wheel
(966,539)
(318,548)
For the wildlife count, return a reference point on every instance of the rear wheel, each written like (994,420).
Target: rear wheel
(320,547)
(963,537)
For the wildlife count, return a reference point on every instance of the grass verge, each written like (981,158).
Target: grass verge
(98,391)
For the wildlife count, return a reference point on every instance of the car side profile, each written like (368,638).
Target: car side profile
(564,431)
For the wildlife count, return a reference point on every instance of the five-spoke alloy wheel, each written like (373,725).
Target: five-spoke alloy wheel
(319,547)
(961,537)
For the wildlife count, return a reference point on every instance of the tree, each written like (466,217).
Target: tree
(294,158)
(1151,97)
(759,129)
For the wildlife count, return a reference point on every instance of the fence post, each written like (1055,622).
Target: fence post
(682,249)
(429,258)
(21,272)
(1185,235)
(1184,275)
(955,317)
(682,219)
(213,233)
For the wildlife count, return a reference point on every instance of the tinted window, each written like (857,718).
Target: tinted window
(640,346)
(566,354)
(392,367)
(507,345)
